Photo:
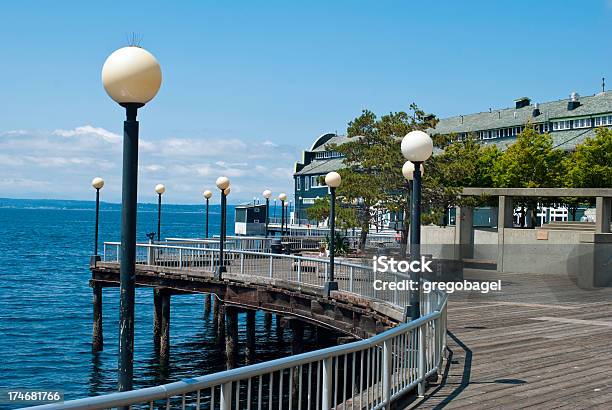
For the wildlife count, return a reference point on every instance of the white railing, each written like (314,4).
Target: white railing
(302,270)
(367,374)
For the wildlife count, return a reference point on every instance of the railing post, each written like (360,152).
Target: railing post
(226,396)
(351,278)
(180,258)
(327,384)
(117,247)
(421,361)
(242,263)
(386,369)
(438,342)
(299,270)
(270,267)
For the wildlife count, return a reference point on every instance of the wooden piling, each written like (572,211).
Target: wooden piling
(157,317)
(215,316)
(207,298)
(279,329)
(268,321)
(250,337)
(231,337)
(164,343)
(297,340)
(220,324)
(97,341)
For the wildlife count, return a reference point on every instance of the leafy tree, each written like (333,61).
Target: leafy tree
(346,216)
(531,162)
(373,161)
(590,165)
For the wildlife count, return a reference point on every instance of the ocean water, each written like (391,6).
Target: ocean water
(46,311)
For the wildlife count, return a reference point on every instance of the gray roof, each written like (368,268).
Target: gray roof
(561,139)
(511,117)
(321,166)
(338,140)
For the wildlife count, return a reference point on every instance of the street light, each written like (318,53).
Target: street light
(223,183)
(97,183)
(333,181)
(131,76)
(283,197)
(416,147)
(207,195)
(160,189)
(267,194)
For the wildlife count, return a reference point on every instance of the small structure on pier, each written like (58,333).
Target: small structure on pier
(250,219)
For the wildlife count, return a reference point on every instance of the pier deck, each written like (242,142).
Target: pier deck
(542,342)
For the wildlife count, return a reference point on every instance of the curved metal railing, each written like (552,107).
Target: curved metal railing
(367,374)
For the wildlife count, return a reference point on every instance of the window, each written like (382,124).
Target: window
(306,183)
(298,183)
(314,181)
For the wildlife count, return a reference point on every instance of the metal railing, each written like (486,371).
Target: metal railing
(367,374)
(301,270)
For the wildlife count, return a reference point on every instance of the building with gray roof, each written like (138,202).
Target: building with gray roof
(569,122)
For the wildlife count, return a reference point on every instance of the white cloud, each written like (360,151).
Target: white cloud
(67,160)
(88,130)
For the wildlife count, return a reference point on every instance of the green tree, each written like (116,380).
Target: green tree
(590,165)
(531,162)
(346,215)
(373,161)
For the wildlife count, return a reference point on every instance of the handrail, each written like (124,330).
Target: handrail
(372,372)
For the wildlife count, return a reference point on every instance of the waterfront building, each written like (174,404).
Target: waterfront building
(569,121)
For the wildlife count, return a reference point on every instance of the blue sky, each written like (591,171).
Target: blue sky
(248,84)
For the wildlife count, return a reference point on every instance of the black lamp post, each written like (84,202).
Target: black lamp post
(207,195)
(416,147)
(282,197)
(97,183)
(131,77)
(333,181)
(160,189)
(267,194)
(223,183)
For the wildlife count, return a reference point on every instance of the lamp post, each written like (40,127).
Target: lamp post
(160,189)
(131,76)
(267,194)
(223,183)
(416,147)
(97,183)
(282,197)
(207,195)
(333,181)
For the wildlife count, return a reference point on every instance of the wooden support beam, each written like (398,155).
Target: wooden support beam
(280,330)
(97,341)
(157,317)
(207,298)
(164,344)
(231,338)
(268,321)
(250,337)
(221,323)
(297,340)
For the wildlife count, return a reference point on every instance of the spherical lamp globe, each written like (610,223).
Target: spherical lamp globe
(160,188)
(408,170)
(97,183)
(131,75)
(223,183)
(333,179)
(417,146)
(207,194)
(267,194)
(227,191)
(282,196)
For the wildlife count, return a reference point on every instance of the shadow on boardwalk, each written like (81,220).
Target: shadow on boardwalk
(540,343)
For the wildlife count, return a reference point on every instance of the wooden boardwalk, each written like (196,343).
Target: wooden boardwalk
(540,343)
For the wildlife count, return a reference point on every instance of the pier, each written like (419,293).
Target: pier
(379,359)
